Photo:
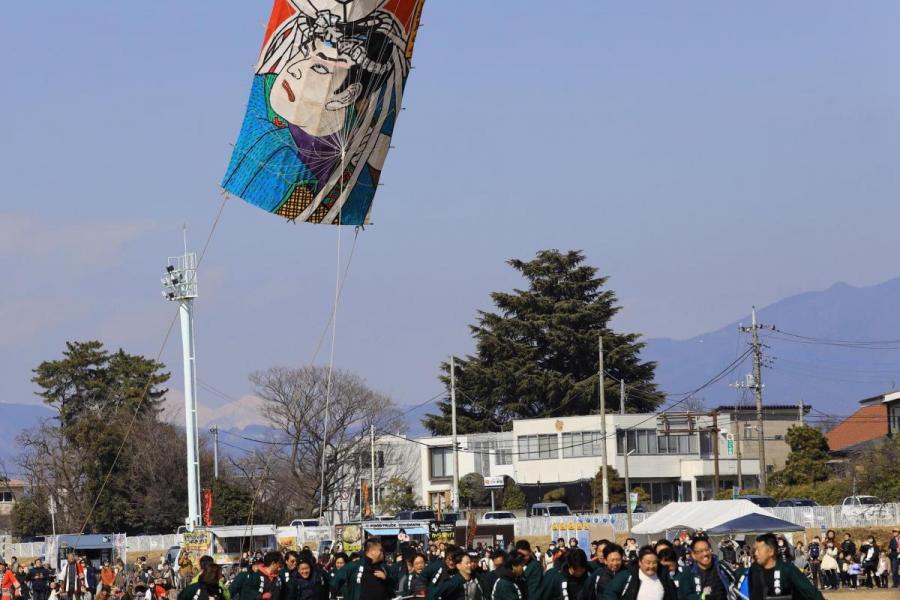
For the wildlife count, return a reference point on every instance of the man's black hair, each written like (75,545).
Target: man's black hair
(514,560)
(206,560)
(612,549)
(667,555)
(408,553)
(769,540)
(523,545)
(664,542)
(498,554)
(371,543)
(271,558)
(645,550)
(342,555)
(577,559)
(291,553)
(457,555)
(699,538)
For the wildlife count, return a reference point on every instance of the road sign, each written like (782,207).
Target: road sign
(495,481)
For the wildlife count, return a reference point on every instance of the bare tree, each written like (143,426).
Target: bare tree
(295,407)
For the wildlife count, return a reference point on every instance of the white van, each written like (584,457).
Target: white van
(550,509)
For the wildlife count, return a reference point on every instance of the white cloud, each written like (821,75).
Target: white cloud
(82,244)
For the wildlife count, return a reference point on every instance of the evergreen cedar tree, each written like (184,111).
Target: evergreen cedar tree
(536,354)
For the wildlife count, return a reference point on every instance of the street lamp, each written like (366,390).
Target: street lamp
(180,285)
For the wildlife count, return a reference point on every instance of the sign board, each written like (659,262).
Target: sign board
(633,500)
(495,481)
(729,445)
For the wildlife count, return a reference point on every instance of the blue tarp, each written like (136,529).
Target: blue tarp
(753,523)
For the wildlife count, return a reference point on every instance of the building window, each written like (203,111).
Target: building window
(538,447)
(645,441)
(895,418)
(379,459)
(581,443)
(441,462)
(482,452)
(6,497)
(504,452)
(749,431)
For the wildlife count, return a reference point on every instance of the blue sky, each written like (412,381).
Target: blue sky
(705,155)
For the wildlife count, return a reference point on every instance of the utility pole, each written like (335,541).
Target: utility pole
(604,477)
(715,445)
(801,413)
(622,397)
(180,285)
(627,483)
(737,446)
(215,432)
(757,386)
(374,489)
(454,493)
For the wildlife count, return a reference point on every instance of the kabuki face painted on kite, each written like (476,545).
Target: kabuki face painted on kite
(313,91)
(322,108)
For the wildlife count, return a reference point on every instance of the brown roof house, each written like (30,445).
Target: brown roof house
(878,417)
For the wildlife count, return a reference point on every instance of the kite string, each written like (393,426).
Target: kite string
(337,294)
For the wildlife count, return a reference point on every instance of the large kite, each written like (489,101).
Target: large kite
(322,108)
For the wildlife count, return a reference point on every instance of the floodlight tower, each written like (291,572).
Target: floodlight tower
(180,285)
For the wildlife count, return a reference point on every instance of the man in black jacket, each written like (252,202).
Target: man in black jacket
(39,576)
(643,574)
(894,554)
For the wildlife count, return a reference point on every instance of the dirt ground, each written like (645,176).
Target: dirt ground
(865,594)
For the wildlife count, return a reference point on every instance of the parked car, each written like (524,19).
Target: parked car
(498,515)
(761,501)
(550,509)
(621,509)
(794,502)
(172,555)
(304,523)
(859,506)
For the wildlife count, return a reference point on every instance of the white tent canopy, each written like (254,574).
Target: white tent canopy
(697,515)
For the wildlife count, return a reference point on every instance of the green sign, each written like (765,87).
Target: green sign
(730,447)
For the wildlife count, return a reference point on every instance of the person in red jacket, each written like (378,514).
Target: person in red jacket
(9,585)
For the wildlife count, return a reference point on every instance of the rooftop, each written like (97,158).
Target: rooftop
(866,424)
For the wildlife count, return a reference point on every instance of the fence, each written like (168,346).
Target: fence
(829,517)
(139,543)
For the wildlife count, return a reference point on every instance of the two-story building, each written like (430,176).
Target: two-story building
(671,459)
(877,418)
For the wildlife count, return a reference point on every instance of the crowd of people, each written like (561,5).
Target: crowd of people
(847,563)
(686,568)
(80,579)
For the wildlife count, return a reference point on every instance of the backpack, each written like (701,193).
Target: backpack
(814,551)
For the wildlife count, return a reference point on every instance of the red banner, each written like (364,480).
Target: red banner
(207,507)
